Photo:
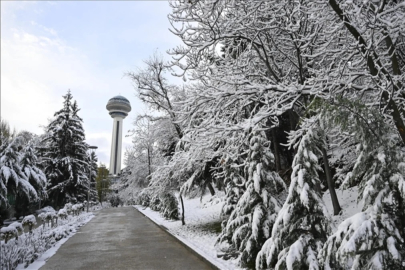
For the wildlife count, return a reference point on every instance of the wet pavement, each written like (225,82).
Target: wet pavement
(123,238)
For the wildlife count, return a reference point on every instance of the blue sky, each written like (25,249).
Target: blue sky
(48,47)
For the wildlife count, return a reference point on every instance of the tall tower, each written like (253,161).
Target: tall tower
(118,107)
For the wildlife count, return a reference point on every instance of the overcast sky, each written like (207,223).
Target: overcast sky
(48,47)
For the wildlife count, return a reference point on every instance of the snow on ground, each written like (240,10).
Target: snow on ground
(203,222)
(203,225)
(348,202)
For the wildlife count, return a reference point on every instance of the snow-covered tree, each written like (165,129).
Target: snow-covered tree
(302,225)
(65,158)
(251,222)
(373,238)
(13,179)
(30,166)
(234,183)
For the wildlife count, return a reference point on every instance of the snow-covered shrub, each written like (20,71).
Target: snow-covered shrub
(18,226)
(251,222)
(77,208)
(143,198)
(155,203)
(68,208)
(29,221)
(8,232)
(62,213)
(302,225)
(42,217)
(169,206)
(47,217)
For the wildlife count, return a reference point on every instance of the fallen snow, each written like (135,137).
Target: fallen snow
(348,202)
(198,234)
(201,215)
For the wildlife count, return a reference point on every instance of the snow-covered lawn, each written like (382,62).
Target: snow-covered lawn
(348,202)
(203,224)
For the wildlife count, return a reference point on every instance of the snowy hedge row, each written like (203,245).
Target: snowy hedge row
(18,249)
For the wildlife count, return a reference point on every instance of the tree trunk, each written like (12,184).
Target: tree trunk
(276,149)
(182,209)
(210,188)
(331,184)
(149,170)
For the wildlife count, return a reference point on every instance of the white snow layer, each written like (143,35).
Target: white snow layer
(197,233)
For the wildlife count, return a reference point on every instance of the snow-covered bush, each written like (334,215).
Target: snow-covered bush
(169,206)
(29,221)
(8,232)
(47,217)
(155,203)
(77,208)
(68,208)
(143,198)
(62,213)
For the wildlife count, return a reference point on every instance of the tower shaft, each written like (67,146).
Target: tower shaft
(116,146)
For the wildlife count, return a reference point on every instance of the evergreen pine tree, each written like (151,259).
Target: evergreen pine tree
(301,226)
(13,180)
(30,167)
(234,183)
(65,157)
(373,238)
(251,222)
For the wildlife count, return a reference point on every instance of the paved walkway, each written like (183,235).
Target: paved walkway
(122,238)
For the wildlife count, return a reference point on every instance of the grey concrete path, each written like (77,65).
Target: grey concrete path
(122,238)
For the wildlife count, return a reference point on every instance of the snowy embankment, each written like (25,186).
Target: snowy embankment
(31,250)
(203,222)
(203,225)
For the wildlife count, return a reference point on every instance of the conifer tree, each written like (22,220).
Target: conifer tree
(13,180)
(302,225)
(373,238)
(234,183)
(66,161)
(30,167)
(251,222)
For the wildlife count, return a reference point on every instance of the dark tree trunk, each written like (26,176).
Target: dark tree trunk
(149,170)
(276,149)
(182,209)
(210,188)
(331,184)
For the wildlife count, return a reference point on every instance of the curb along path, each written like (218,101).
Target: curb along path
(123,238)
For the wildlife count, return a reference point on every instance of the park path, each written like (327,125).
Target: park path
(123,238)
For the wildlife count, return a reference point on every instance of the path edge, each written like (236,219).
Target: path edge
(201,257)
